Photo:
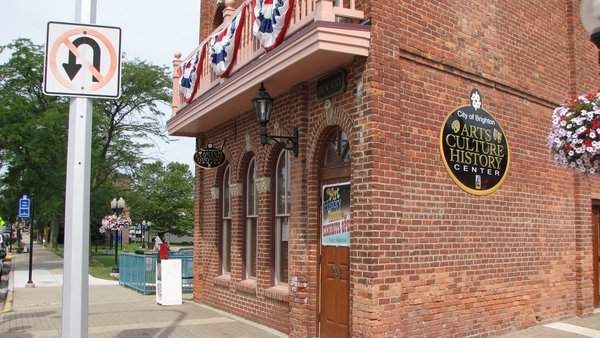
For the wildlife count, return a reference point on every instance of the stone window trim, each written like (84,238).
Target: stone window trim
(279,292)
(222,280)
(247,286)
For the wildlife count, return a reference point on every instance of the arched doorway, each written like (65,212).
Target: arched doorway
(334,178)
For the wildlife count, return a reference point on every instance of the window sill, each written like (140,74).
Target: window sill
(222,280)
(247,286)
(279,292)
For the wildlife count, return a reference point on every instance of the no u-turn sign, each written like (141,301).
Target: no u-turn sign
(82,60)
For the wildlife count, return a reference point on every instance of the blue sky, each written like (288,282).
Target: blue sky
(151,30)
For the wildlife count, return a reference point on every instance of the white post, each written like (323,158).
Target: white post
(77,205)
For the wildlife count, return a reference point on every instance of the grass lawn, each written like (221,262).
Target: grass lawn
(102,266)
(102,263)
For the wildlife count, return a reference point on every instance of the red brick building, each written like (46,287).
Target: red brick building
(367,232)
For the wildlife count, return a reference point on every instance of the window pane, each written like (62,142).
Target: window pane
(281,268)
(331,152)
(226,196)
(334,142)
(345,148)
(226,224)
(226,254)
(251,220)
(283,183)
(252,193)
(283,200)
(251,248)
(338,149)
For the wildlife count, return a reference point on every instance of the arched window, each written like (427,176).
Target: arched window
(335,158)
(337,152)
(251,220)
(225,230)
(283,204)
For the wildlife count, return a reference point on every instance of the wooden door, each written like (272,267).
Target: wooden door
(596,252)
(334,277)
(335,292)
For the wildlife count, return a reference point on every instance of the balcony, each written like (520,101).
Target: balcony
(321,35)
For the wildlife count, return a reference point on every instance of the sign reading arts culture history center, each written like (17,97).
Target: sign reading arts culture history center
(474,148)
(335,223)
(209,158)
(82,60)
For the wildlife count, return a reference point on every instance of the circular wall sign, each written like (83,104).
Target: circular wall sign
(474,148)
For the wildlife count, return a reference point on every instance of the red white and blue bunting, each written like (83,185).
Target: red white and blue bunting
(189,74)
(224,44)
(271,19)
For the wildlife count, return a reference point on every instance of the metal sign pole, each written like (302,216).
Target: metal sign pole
(77,205)
(77,224)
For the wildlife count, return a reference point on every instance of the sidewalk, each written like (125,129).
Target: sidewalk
(114,311)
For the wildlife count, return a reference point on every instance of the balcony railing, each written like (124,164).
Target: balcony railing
(304,13)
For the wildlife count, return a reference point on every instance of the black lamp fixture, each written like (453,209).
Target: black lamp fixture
(263,106)
(146,230)
(590,18)
(117,206)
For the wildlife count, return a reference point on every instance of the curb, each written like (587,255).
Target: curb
(7,302)
(8,295)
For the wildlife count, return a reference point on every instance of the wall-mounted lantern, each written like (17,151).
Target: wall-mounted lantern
(263,106)
(590,18)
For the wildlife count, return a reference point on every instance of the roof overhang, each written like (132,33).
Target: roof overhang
(318,48)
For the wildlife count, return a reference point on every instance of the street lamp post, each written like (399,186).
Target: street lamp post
(117,206)
(147,232)
(31,228)
(143,235)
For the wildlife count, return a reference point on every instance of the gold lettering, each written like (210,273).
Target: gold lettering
(448,140)
(500,150)
(455,155)
(467,158)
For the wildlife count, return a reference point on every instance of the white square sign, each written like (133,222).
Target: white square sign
(82,60)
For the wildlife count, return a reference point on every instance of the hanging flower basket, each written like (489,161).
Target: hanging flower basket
(114,223)
(574,140)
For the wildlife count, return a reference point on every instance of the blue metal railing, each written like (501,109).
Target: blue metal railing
(138,272)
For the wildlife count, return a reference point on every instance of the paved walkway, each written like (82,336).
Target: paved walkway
(114,311)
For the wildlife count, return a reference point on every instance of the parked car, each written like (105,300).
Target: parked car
(3,247)
(7,236)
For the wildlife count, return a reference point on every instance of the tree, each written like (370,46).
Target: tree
(122,130)
(34,130)
(163,195)
(125,127)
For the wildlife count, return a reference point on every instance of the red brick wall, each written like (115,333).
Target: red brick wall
(443,262)
(427,258)
(233,296)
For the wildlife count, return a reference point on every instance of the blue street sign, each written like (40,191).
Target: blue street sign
(24,207)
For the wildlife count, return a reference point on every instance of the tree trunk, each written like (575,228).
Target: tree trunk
(55,230)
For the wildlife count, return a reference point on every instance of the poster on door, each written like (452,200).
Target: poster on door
(335,225)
